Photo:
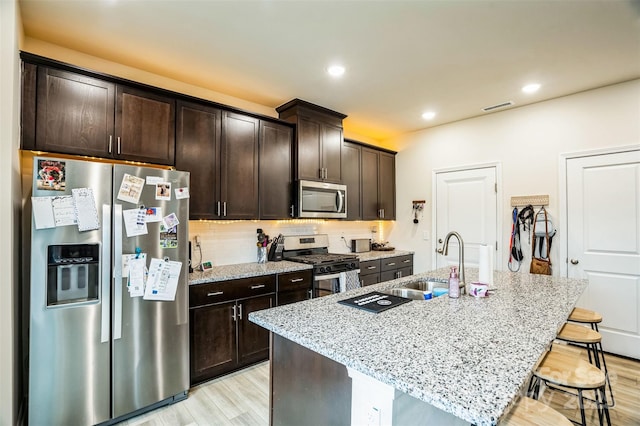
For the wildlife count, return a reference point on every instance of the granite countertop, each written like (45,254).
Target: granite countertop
(375,254)
(467,356)
(254,269)
(244,270)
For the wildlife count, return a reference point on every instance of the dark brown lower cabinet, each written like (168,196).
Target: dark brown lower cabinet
(222,338)
(387,269)
(294,286)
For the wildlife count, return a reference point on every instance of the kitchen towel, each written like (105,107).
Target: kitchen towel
(349,280)
(485,264)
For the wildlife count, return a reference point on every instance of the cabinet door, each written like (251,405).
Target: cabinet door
(308,149)
(239,166)
(332,152)
(387,185)
(145,126)
(369,279)
(253,340)
(276,172)
(74,113)
(370,172)
(388,275)
(351,177)
(197,150)
(213,341)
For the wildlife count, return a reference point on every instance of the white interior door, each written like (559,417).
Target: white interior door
(466,202)
(603,244)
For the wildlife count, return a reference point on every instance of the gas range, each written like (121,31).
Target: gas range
(314,250)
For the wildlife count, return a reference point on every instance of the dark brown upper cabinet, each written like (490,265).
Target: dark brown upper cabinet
(370,176)
(276,171)
(220,150)
(318,141)
(83,115)
(199,129)
(351,176)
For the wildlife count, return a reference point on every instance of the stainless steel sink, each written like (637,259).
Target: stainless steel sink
(409,293)
(425,285)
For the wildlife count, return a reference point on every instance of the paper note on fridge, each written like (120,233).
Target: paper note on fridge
(162,281)
(133,224)
(135,283)
(182,193)
(85,209)
(49,212)
(130,188)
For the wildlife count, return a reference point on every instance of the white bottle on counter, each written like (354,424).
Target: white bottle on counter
(454,283)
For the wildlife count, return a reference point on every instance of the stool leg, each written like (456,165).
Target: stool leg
(605,407)
(581,403)
(606,373)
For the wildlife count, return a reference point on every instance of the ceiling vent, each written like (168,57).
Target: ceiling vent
(498,106)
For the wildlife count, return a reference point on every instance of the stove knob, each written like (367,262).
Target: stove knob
(328,268)
(352,265)
(322,270)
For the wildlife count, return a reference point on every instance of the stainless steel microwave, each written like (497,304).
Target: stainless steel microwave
(322,200)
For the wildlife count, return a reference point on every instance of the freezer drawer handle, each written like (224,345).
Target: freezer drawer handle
(297,280)
(217,293)
(254,287)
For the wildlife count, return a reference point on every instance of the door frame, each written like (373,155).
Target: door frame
(562,193)
(434,240)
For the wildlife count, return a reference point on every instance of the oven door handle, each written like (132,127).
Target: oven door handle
(326,277)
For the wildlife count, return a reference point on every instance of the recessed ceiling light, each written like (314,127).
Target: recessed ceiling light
(531,88)
(429,115)
(335,70)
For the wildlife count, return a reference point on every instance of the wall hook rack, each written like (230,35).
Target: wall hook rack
(418,206)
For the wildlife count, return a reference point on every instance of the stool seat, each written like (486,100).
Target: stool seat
(585,316)
(579,334)
(529,412)
(567,370)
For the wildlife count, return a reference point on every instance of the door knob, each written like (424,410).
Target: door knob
(439,251)
(574,261)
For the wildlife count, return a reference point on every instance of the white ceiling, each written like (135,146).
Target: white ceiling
(402,57)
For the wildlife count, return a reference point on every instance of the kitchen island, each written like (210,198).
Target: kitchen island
(463,359)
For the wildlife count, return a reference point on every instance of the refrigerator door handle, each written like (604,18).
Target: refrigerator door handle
(117,272)
(106,269)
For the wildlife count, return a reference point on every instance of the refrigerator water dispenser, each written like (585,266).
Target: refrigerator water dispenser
(73,273)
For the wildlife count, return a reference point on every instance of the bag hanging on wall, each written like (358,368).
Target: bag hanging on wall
(540,265)
(515,252)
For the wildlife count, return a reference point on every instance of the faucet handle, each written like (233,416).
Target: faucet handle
(439,250)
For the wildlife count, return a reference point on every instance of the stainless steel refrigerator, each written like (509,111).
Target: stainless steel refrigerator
(98,349)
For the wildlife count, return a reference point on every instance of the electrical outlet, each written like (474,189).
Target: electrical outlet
(197,238)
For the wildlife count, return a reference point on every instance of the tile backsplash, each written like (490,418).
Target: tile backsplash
(226,243)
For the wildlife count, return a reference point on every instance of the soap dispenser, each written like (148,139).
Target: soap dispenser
(454,283)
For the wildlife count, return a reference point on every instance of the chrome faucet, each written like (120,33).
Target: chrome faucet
(460,256)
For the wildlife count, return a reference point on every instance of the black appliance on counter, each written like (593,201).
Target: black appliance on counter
(332,272)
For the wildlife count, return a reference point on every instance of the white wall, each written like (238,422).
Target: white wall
(526,141)
(9,207)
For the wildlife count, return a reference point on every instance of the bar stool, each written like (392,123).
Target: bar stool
(592,342)
(529,412)
(585,316)
(574,373)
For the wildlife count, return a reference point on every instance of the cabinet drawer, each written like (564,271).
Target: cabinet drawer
(223,291)
(210,293)
(370,267)
(255,286)
(397,262)
(299,280)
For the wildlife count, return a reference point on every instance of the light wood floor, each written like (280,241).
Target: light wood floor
(242,398)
